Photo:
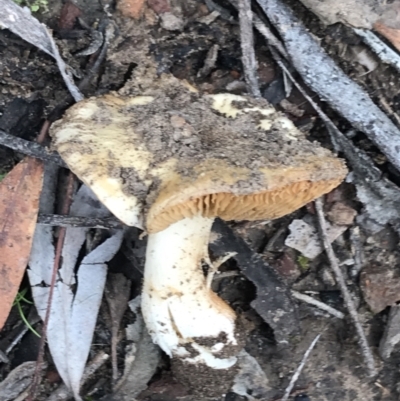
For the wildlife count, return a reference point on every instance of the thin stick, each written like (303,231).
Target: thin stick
(77,221)
(96,66)
(3,357)
(264,30)
(247,45)
(369,359)
(16,340)
(269,36)
(319,304)
(381,49)
(57,111)
(65,71)
(56,266)
(296,375)
(43,132)
(29,148)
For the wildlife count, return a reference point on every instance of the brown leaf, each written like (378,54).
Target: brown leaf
(380,287)
(19,204)
(391,34)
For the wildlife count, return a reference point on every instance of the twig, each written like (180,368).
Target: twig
(247,45)
(17,339)
(65,71)
(15,336)
(269,36)
(44,131)
(385,105)
(77,221)
(296,374)
(381,49)
(209,62)
(272,241)
(56,266)
(58,110)
(369,359)
(29,148)
(103,52)
(319,304)
(266,32)
(62,392)
(3,357)
(223,275)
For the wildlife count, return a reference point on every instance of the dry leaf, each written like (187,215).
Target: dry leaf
(22,23)
(383,17)
(357,13)
(19,205)
(77,293)
(117,292)
(250,379)
(18,380)
(141,358)
(304,237)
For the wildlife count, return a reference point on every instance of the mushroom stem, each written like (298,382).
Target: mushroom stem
(183,315)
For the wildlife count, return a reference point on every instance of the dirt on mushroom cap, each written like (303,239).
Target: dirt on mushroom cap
(166,145)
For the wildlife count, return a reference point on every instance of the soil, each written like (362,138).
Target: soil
(31,90)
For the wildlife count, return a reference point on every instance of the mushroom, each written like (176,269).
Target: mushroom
(168,159)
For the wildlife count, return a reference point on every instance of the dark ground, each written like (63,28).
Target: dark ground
(31,89)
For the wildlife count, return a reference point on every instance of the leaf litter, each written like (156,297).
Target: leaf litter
(141,359)
(77,297)
(382,209)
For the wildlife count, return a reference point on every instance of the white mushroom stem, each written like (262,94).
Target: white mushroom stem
(183,315)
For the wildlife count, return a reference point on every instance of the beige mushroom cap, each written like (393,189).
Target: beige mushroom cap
(219,191)
(173,153)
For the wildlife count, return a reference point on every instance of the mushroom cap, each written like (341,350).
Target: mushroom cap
(168,152)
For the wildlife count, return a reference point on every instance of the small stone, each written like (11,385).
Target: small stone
(177,121)
(341,214)
(380,287)
(171,22)
(287,267)
(291,108)
(159,6)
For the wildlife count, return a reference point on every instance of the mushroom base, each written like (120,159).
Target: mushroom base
(183,315)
